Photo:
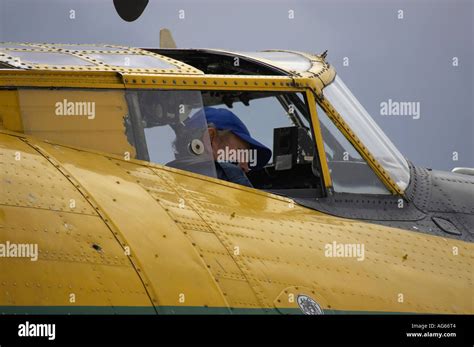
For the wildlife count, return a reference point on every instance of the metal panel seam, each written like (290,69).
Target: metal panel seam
(100,213)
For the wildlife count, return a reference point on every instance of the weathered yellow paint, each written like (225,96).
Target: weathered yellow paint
(118,233)
(215,82)
(35,208)
(319,139)
(106,133)
(65,79)
(10,117)
(218,243)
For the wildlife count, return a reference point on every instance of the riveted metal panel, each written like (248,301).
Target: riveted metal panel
(197,230)
(162,254)
(87,54)
(273,242)
(40,78)
(452,193)
(29,180)
(67,262)
(282,244)
(279,244)
(443,195)
(218,82)
(366,207)
(40,206)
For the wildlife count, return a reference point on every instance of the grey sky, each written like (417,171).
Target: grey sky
(407,59)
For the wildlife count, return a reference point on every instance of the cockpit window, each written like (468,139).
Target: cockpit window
(285,60)
(281,122)
(196,131)
(350,173)
(132,61)
(169,127)
(368,132)
(47,58)
(147,125)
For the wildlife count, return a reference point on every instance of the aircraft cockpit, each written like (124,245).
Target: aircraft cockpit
(322,141)
(280,120)
(169,127)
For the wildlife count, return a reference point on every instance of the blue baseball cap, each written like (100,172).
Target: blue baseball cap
(223,119)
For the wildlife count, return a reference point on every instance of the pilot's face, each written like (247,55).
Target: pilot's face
(224,145)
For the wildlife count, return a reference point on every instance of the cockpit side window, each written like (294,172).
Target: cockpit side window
(281,122)
(350,173)
(187,129)
(150,125)
(172,128)
(338,95)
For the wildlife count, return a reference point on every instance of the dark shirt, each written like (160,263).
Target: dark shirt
(232,173)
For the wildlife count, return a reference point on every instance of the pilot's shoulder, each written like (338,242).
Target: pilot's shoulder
(232,173)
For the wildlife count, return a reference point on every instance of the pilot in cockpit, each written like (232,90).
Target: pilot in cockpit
(235,151)
(216,143)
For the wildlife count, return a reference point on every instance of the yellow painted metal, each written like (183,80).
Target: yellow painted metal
(355,141)
(103,129)
(320,73)
(211,243)
(319,140)
(40,206)
(166,39)
(323,78)
(94,74)
(159,251)
(215,82)
(10,117)
(60,79)
(81,79)
(135,234)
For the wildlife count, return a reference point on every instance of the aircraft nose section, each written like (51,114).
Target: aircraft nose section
(455,191)
(447,197)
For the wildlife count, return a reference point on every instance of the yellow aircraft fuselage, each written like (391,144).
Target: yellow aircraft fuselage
(122,235)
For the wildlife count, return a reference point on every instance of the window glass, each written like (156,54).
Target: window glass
(174,129)
(163,127)
(368,132)
(286,60)
(46,58)
(350,173)
(279,121)
(132,61)
(179,129)
(261,118)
